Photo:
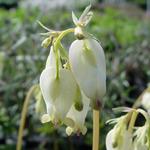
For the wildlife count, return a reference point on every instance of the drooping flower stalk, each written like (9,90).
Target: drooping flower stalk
(23,116)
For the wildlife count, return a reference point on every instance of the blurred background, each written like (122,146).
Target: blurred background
(123,28)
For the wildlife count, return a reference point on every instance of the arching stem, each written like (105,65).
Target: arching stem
(56,46)
(23,117)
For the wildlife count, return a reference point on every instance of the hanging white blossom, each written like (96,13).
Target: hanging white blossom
(88,66)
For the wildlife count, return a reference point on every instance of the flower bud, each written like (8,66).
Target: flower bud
(87,62)
(46,42)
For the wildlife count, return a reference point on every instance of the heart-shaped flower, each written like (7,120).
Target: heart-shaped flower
(87,62)
(58,93)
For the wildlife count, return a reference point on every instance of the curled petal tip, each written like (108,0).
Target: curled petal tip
(45,118)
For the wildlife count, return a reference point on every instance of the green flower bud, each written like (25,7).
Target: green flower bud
(46,42)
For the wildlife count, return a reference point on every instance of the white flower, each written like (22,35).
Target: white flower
(142,136)
(119,138)
(78,117)
(125,143)
(88,66)
(59,93)
(146,101)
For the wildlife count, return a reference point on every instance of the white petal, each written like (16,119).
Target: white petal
(146,100)
(45,118)
(51,60)
(124,140)
(89,67)
(58,94)
(79,116)
(127,141)
(140,146)
(109,140)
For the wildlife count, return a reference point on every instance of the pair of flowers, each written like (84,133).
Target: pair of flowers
(73,83)
(68,95)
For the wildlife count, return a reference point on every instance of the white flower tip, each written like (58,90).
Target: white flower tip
(45,118)
(84,130)
(69,131)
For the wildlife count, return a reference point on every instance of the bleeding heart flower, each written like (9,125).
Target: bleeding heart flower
(87,62)
(58,93)
(119,138)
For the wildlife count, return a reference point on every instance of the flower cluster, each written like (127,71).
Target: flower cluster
(126,136)
(72,83)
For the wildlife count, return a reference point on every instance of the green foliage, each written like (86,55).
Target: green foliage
(116,25)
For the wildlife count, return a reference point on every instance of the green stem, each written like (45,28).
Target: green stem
(56,47)
(63,52)
(132,121)
(23,117)
(96,116)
